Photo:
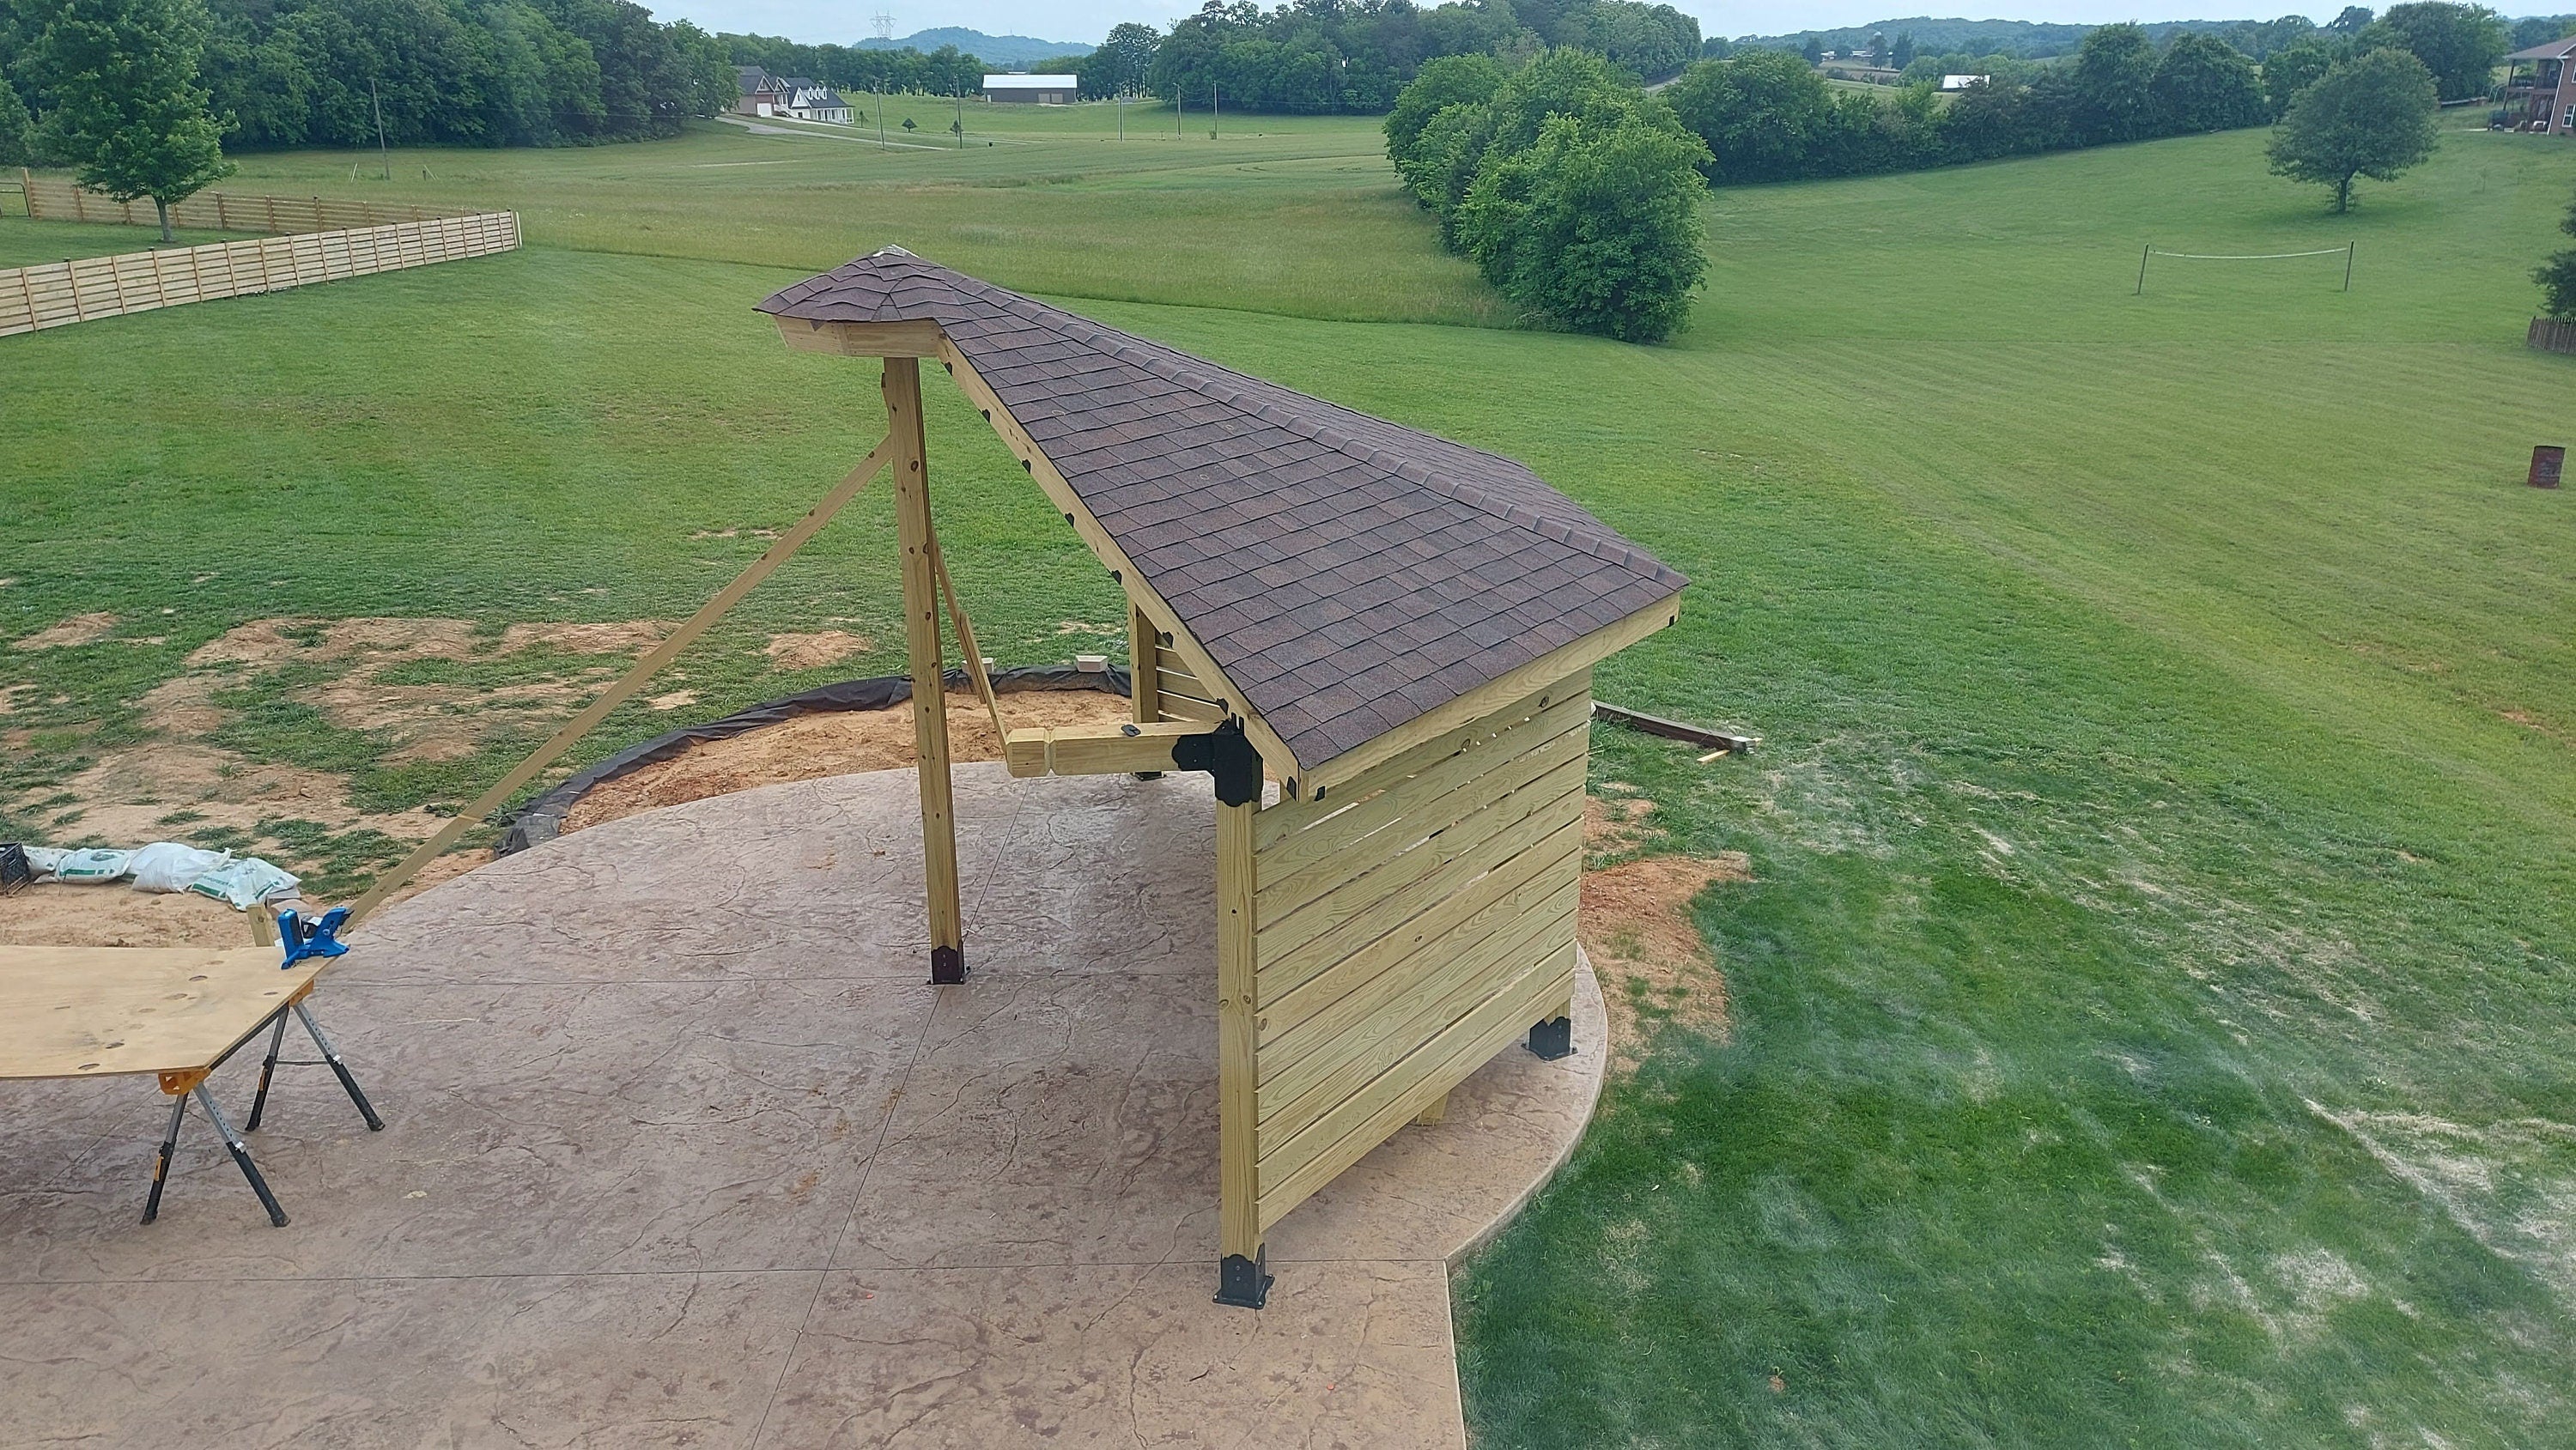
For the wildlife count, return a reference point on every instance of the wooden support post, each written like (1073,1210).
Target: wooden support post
(1144,658)
(1242,1279)
(929,679)
(1432,1115)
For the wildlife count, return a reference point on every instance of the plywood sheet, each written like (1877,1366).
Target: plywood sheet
(100,1011)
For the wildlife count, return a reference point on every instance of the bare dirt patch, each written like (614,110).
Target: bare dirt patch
(813,651)
(1636,926)
(845,743)
(79,629)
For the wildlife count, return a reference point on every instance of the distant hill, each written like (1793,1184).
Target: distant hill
(1006,50)
(2033,39)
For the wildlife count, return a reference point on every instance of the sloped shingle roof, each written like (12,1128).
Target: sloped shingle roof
(1348,574)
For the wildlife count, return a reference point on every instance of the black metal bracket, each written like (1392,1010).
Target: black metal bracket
(1228,757)
(947,966)
(1552,1039)
(1243,1283)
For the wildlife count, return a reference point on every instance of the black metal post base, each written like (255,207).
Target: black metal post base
(947,966)
(1243,1283)
(1553,1038)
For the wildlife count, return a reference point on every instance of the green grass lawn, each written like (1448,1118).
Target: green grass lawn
(2154,1009)
(25,243)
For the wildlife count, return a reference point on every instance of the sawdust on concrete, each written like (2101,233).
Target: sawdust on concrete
(1636,925)
(840,743)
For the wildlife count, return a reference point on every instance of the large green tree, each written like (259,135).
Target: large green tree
(2205,84)
(1763,114)
(2459,44)
(2292,69)
(128,109)
(2369,116)
(16,139)
(2557,277)
(2114,72)
(1596,225)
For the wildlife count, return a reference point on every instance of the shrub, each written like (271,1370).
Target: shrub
(1596,225)
(2557,277)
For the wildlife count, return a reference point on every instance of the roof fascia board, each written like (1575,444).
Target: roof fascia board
(1493,695)
(862,339)
(1275,753)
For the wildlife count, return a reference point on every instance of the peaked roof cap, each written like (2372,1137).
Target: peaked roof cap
(1348,574)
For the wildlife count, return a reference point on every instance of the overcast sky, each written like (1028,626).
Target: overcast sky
(1088,20)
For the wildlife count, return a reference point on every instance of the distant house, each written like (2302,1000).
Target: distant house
(1961,83)
(2547,93)
(814,101)
(1033,90)
(763,94)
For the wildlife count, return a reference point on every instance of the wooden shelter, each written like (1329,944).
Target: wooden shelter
(1377,642)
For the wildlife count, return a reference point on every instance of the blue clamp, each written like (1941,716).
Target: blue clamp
(312,938)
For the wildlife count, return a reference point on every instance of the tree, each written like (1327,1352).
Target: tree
(2557,277)
(2291,70)
(1903,54)
(2351,21)
(1596,225)
(1448,81)
(2113,71)
(2369,116)
(2459,44)
(1763,115)
(1813,51)
(128,110)
(15,141)
(1716,47)
(1123,61)
(2205,84)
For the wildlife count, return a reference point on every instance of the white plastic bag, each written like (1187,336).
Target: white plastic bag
(245,883)
(92,865)
(169,866)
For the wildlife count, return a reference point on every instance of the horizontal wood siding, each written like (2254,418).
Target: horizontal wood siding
(1405,928)
(57,294)
(54,199)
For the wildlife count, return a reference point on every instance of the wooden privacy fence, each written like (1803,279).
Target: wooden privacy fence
(58,294)
(53,200)
(2551,335)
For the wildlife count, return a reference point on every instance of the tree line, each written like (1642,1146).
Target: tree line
(1767,115)
(448,72)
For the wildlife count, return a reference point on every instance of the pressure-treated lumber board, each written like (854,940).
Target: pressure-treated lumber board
(1333,1066)
(100,1011)
(1096,749)
(1182,707)
(902,389)
(1300,868)
(864,339)
(1342,921)
(1286,1002)
(1144,667)
(1342,1138)
(1556,664)
(1239,1222)
(1323,1086)
(1289,817)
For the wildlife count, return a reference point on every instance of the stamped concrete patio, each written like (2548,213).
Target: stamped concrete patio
(682,1151)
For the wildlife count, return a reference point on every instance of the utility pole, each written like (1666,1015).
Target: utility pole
(1121,103)
(381,148)
(880,113)
(961,115)
(1211,110)
(1176,113)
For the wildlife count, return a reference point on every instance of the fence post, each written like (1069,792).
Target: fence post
(223,223)
(27,189)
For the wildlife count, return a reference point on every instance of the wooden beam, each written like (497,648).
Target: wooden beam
(1237,1071)
(1640,721)
(861,339)
(965,628)
(1097,749)
(1493,695)
(929,681)
(1144,669)
(1280,761)
(644,669)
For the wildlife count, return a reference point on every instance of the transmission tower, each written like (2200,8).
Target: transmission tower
(884,26)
